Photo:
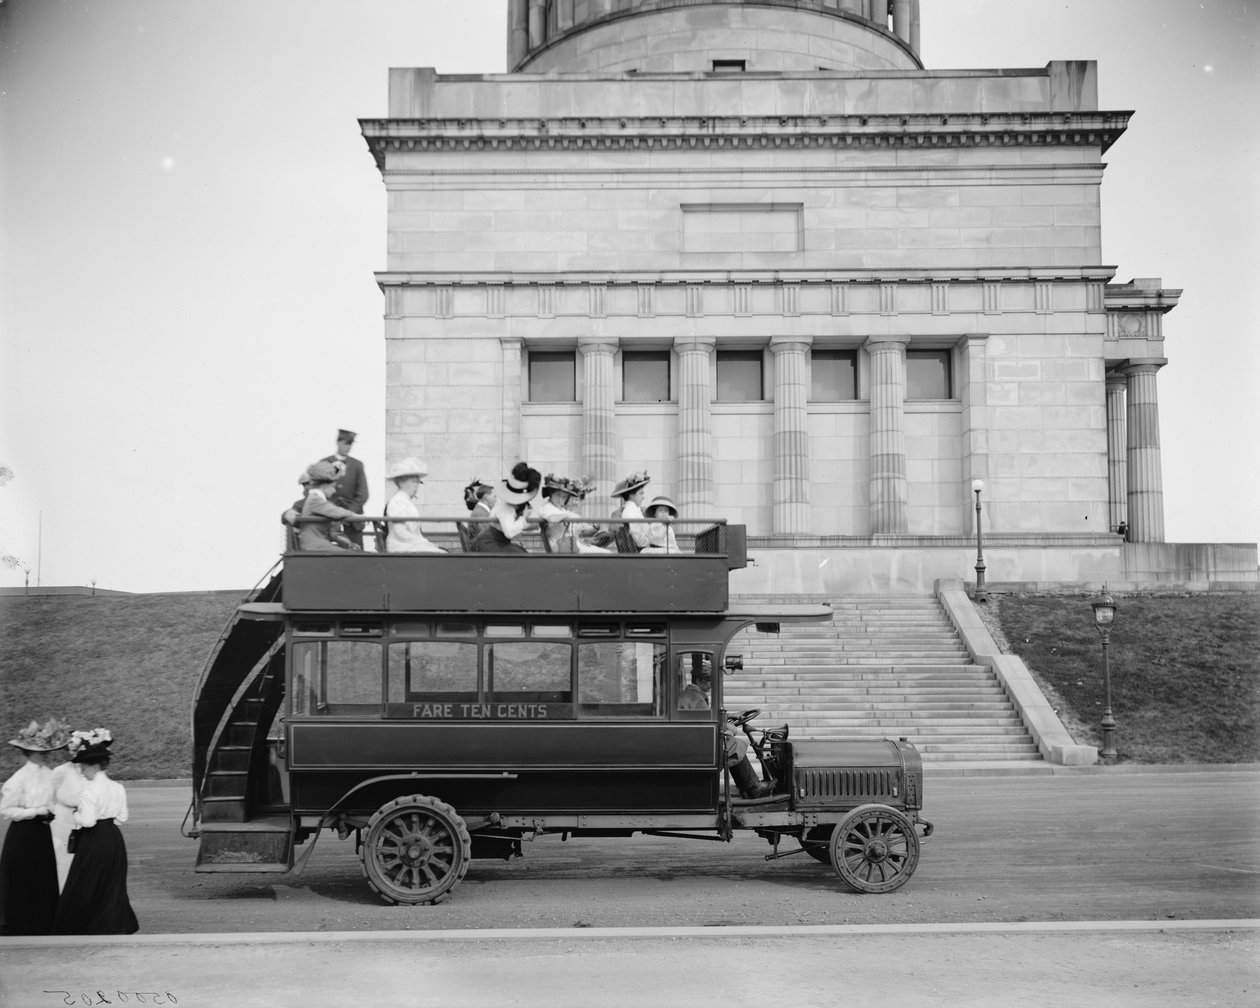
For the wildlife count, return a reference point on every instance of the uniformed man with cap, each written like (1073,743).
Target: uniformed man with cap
(351,490)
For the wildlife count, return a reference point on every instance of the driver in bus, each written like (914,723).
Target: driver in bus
(696,695)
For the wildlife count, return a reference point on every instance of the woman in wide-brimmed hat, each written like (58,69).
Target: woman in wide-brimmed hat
(564,529)
(94,900)
(406,537)
(631,491)
(324,535)
(660,533)
(509,516)
(28,867)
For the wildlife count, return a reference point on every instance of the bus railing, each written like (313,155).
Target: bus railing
(458,534)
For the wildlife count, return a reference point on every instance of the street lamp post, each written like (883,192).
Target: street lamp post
(981,594)
(1104,613)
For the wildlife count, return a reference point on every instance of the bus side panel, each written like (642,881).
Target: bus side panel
(552,768)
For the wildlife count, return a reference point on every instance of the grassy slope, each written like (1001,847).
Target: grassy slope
(129,663)
(1185,670)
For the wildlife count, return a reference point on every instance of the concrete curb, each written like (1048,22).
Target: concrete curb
(721,932)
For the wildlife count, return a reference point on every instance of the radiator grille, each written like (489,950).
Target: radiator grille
(857,783)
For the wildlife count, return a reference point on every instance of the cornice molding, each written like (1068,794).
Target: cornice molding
(612,133)
(727,278)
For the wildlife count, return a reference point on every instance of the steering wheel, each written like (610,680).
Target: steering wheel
(740,720)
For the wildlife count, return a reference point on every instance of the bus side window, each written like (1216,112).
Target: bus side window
(307,662)
(690,669)
(439,671)
(352,678)
(621,678)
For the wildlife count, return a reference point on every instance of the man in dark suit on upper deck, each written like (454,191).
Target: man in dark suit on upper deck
(351,490)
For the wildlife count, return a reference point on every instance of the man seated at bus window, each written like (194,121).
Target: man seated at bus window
(696,696)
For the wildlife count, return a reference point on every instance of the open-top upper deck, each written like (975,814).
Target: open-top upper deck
(693,580)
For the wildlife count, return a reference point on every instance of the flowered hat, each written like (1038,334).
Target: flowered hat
(90,746)
(325,471)
(522,485)
(631,483)
(576,488)
(33,738)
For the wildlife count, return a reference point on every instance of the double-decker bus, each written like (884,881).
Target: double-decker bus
(441,707)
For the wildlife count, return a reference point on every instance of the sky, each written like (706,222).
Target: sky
(190,222)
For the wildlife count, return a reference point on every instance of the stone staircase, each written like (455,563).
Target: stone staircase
(885,666)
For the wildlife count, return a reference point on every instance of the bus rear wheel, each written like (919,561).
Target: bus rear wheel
(416,850)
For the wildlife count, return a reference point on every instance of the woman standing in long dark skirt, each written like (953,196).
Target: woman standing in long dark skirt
(28,869)
(95,900)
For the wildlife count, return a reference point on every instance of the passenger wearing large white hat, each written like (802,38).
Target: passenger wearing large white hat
(509,517)
(660,533)
(631,492)
(405,536)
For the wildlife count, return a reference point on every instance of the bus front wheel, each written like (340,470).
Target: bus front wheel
(416,850)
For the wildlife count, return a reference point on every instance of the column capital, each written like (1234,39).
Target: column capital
(886,342)
(790,344)
(1116,381)
(1144,365)
(598,344)
(695,344)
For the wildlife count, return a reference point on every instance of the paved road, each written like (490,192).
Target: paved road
(1172,849)
(1037,848)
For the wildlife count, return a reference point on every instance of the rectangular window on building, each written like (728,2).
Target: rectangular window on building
(833,376)
(928,375)
(739,376)
(645,376)
(552,377)
(730,66)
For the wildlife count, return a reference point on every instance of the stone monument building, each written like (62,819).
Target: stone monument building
(757,249)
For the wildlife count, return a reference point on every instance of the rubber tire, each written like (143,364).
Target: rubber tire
(416,850)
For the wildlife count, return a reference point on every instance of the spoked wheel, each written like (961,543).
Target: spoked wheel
(416,850)
(816,842)
(874,849)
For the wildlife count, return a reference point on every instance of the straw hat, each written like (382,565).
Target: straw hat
(631,483)
(407,467)
(33,738)
(659,501)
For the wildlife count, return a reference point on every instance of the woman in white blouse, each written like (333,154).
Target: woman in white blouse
(660,533)
(406,537)
(94,900)
(28,870)
(68,781)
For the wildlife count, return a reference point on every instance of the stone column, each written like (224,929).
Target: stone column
(1117,459)
(914,27)
(791,437)
(1145,490)
(695,429)
(901,19)
(975,422)
(599,452)
(517,32)
(889,491)
(511,422)
(537,24)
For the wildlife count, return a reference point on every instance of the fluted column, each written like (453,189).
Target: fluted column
(889,491)
(1145,491)
(695,428)
(511,422)
(791,437)
(1117,457)
(599,454)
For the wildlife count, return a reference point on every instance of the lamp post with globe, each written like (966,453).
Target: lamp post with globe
(1104,614)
